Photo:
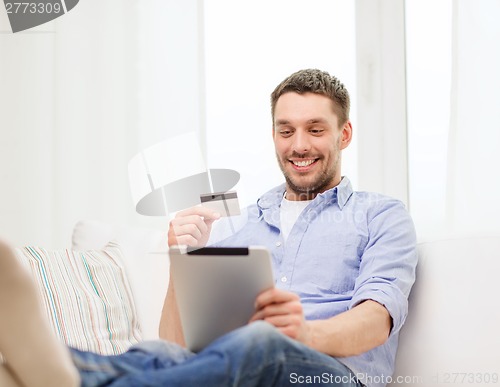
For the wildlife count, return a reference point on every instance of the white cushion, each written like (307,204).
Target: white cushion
(452,326)
(146,264)
(86,295)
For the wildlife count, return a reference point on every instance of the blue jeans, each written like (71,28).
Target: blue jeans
(255,355)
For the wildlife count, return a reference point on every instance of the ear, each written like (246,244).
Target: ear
(346,135)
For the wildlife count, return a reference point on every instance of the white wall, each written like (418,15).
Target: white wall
(76,103)
(27,121)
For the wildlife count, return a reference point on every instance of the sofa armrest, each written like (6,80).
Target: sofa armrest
(452,326)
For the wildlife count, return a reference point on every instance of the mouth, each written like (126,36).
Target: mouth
(303,165)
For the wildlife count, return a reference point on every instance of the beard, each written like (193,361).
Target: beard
(316,186)
(319,182)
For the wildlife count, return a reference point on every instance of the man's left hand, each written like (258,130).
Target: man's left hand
(283,310)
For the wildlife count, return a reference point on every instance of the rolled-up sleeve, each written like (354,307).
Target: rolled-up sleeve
(387,267)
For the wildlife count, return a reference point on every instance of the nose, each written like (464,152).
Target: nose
(301,143)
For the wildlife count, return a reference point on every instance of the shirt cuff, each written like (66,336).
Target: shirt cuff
(387,295)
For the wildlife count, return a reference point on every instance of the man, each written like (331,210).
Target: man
(344,263)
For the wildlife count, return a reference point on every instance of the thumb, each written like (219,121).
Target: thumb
(209,220)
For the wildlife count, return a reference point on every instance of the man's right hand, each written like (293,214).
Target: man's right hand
(192,227)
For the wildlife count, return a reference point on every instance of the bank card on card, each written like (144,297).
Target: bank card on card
(225,203)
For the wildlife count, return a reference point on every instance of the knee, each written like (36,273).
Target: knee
(7,259)
(164,351)
(255,347)
(261,334)
(69,376)
(10,267)
(262,329)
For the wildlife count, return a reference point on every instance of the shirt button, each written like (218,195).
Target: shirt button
(283,279)
(278,244)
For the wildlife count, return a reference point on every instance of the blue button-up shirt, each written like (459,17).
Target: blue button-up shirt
(345,247)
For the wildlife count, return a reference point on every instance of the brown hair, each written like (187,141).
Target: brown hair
(317,82)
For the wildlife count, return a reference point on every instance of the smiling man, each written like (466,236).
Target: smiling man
(344,261)
(309,138)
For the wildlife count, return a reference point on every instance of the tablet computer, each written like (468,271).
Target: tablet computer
(216,289)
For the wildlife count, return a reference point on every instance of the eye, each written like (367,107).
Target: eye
(285,132)
(316,131)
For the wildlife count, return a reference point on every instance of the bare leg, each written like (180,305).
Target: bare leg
(7,379)
(34,356)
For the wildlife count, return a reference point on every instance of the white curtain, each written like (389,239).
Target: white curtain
(453,81)
(473,185)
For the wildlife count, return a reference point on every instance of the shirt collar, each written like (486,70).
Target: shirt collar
(341,192)
(344,191)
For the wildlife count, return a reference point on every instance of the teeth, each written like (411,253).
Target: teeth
(304,163)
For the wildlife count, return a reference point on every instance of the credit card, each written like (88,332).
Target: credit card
(225,203)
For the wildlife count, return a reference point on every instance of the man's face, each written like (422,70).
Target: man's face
(308,143)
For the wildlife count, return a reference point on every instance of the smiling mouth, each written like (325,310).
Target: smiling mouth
(303,164)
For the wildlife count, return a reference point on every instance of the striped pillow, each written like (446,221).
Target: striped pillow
(87,297)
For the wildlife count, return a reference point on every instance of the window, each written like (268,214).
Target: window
(249,48)
(428,37)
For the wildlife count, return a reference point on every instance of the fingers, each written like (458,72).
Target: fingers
(287,317)
(199,211)
(191,226)
(277,311)
(274,296)
(276,302)
(282,309)
(290,325)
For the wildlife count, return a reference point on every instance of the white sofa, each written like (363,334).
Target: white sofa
(452,332)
